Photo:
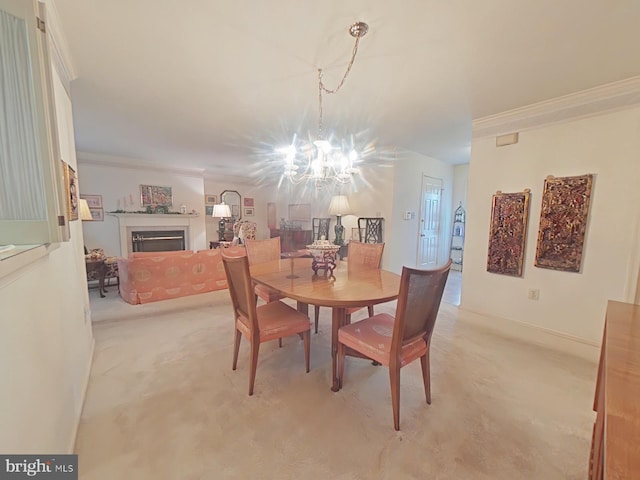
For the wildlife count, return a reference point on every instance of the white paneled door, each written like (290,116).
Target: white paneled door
(429,229)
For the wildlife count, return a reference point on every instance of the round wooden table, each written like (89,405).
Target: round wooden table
(349,286)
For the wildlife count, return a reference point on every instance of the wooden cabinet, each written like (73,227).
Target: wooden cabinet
(292,240)
(615,448)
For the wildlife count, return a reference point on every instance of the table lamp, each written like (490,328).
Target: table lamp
(221,211)
(85,213)
(339,206)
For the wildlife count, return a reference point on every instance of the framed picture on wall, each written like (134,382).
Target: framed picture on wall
(155,195)
(300,212)
(208,210)
(71,190)
(94,201)
(248,212)
(210,199)
(97,214)
(248,202)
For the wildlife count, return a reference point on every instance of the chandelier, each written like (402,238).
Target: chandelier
(321,161)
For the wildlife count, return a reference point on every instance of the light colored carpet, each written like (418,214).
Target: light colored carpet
(163,403)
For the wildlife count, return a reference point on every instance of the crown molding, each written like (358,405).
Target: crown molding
(58,46)
(231,179)
(89,158)
(593,101)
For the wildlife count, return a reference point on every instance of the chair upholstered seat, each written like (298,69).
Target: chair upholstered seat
(373,338)
(274,321)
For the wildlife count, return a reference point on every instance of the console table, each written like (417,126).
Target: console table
(292,240)
(615,448)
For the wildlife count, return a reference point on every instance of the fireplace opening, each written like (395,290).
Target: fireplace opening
(157,240)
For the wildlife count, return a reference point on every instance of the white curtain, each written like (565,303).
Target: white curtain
(22,195)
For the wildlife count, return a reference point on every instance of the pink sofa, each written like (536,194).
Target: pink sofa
(151,276)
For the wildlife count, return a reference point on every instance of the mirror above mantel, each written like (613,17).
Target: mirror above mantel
(234,200)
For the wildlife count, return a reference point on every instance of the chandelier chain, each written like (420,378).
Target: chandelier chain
(322,88)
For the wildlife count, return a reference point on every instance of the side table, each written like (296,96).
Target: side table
(98,266)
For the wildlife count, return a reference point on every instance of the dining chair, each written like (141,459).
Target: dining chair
(396,342)
(370,229)
(259,324)
(320,228)
(261,251)
(360,254)
(244,230)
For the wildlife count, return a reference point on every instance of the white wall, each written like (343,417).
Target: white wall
(571,304)
(261,196)
(407,191)
(460,183)
(46,342)
(117,184)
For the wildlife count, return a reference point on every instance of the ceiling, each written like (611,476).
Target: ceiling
(216,85)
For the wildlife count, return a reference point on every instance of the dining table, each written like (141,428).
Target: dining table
(349,286)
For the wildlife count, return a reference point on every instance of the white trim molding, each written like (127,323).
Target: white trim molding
(59,48)
(89,158)
(594,101)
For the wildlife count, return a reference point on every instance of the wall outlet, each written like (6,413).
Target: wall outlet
(534,294)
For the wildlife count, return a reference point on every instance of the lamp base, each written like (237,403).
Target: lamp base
(222,224)
(339,230)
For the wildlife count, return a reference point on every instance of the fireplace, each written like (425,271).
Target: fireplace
(157,225)
(157,240)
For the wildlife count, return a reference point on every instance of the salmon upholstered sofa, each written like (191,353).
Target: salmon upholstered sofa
(151,276)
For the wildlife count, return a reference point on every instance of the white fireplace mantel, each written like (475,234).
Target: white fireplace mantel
(129,222)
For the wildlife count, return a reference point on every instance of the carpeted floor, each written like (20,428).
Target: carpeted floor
(163,403)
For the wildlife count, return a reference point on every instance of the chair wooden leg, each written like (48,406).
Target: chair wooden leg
(255,348)
(236,347)
(370,308)
(307,347)
(394,377)
(317,312)
(426,376)
(347,320)
(280,342)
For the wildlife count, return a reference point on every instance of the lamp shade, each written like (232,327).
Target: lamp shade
(221,210)
(85,213)
(339,205)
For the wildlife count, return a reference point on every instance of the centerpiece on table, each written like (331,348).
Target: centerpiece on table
(324,255)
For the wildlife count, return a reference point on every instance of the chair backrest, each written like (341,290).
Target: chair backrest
(236,267)
(320,228)
(370,229)
(418,304)
(261,251)
(367,254)
(244,230)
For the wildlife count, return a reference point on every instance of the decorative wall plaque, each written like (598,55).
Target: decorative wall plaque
(508,232)
(563,222)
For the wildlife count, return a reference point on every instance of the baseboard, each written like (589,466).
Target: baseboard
(74,436)
(579,347)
